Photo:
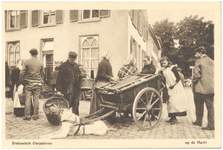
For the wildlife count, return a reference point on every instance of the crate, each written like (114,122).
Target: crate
(19,111)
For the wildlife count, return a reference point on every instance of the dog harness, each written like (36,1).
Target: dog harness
(79,127)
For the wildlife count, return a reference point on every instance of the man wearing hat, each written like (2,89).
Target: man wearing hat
(203,81)
(68,81)
(32,77)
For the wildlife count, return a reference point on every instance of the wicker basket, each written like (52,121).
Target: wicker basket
(87,83)
(60,103)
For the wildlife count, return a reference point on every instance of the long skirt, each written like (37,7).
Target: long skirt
(177,103)
(95,99)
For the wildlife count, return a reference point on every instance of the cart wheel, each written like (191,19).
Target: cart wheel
(147,108)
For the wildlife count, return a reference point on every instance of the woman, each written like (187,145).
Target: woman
(15,76)
(129,67)
(104,75)
(177,103)
(148,68)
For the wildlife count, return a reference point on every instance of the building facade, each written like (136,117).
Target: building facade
(88,32)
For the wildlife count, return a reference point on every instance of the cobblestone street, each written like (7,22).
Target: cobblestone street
(17,128)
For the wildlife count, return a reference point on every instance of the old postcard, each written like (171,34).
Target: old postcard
(111,75)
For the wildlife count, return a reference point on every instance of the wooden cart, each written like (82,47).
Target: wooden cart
(139,94)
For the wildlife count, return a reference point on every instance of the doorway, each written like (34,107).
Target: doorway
(47,58)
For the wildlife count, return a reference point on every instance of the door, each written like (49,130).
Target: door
(49,66)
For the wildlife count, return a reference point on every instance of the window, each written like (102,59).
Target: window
(139,58)
(90,54)
(134,49)
(13,52)
(138,53)
(94,14)
(46,18)
(49,17)
(89,14)
(15,19)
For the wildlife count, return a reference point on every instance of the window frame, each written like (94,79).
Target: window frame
(82,39)
(14,45)
(9,20)
(91,11)
(42,19)
(89,19)
(18,21)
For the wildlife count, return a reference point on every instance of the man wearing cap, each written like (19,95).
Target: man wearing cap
(68,81)
(203,81)
(32,77)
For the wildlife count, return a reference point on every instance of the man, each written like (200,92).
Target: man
(32,76)
(203,80)
(68,81)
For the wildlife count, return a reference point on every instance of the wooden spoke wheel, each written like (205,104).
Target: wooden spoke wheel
(147,108)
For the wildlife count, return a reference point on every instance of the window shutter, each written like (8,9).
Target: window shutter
(104,13)
(35,18)
(135,18)
(140,23)
(131,47)
(143,33)
(59,16)
(23,18)
(146,34)
(6,23)
(130,14)
(73,15)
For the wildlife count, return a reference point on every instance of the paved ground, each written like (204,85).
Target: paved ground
(17,128)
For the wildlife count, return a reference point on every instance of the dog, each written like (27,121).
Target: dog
(71,127)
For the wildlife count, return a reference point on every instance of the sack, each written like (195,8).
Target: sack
(20,89)
(16,100)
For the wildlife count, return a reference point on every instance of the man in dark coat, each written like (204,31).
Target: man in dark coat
(203,81)
(68,81)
